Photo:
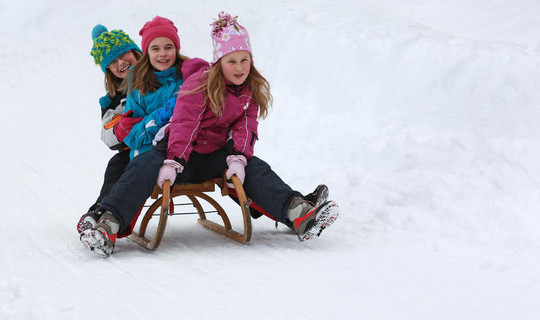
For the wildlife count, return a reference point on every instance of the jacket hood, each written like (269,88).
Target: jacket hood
(192,66)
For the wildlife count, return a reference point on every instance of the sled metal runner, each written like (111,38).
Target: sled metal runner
(194,192)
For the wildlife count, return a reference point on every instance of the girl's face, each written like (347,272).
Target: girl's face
(235,66)
(120,66)
(162,53)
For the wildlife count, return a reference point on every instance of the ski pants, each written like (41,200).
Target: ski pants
(267,189)
(113,172)
(262,184)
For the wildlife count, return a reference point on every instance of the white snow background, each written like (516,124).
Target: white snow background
(421,116)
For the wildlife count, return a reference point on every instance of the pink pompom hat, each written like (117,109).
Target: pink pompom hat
(229,36)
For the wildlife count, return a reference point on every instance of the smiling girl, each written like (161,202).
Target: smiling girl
(115,52)
(152,85)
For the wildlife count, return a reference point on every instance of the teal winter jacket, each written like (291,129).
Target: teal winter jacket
(139,139)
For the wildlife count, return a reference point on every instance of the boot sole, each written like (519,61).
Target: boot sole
(96,242)
(325,216)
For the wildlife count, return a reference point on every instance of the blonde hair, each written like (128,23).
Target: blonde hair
(215,94)
(113,84)
(143,77)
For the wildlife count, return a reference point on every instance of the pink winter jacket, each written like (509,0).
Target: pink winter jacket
(194,127)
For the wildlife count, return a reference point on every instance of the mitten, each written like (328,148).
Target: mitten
(124,126)
(165,113)
(168,171)
(237,164)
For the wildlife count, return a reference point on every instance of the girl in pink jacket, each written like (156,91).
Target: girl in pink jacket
(214,127)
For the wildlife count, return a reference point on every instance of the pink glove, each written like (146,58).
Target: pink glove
(168,171)
(237,166)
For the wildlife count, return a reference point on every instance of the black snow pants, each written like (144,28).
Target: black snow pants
(262,184)
(113,172)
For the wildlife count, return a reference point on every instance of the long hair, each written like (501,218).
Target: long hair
(113,84)
(215,93)
(143,77)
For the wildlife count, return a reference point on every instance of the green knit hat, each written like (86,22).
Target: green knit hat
(109,45)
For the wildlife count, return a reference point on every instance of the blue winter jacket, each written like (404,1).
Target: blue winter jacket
(139,139)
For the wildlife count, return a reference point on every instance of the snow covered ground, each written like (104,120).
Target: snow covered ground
(421,116)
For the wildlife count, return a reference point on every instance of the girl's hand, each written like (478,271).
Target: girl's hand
(237,164)
(168,171)
(166,112)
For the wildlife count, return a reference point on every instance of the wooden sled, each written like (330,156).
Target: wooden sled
(194,192)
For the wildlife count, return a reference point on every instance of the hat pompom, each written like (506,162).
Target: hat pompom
(225,20)
(98,30)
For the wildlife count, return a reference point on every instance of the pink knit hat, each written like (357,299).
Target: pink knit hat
(159,27)
(229,36)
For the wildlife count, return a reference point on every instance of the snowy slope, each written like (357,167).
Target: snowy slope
(421,116)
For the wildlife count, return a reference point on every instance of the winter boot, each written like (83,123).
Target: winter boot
(89,219)
(101,239)
(318,196)
(308,220)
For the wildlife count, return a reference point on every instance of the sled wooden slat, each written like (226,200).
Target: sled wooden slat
(195,193)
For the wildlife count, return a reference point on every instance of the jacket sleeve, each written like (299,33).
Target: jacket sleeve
(111,110)
(142,133)
(185,125)
(244,131)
